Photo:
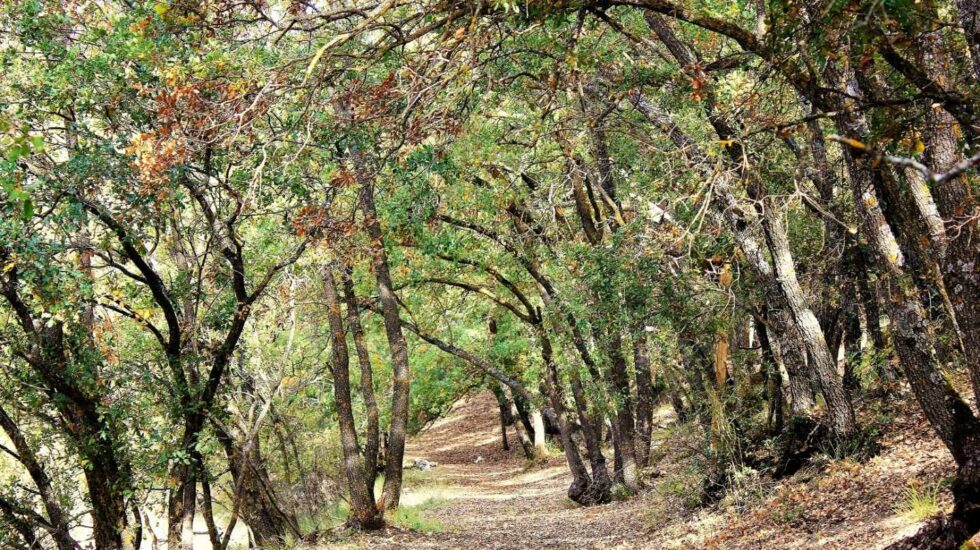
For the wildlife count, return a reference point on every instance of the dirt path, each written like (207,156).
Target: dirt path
(484,497)
(481,497)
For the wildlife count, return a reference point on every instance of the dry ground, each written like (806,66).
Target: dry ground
(483,498)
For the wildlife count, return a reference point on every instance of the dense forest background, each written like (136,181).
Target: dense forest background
(248,247)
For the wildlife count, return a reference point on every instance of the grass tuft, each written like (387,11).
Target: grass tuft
(919,502)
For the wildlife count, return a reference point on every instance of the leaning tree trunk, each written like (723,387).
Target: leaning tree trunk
(581,488)
(954,199)
(949,415)
(258,504)
(825,364)
(969,16)
(57,519)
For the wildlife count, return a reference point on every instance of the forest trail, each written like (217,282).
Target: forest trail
(482,497)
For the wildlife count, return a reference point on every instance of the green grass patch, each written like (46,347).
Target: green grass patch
(413,517)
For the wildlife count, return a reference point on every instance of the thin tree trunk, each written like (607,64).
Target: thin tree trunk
(396,344)
(25,453)
(505,417)
(537,423)
(372,431)
(363,512)
(580,489)
(188,509)
(644,397)
(774,380)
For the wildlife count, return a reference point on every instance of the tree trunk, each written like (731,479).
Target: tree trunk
(958,247)
(396,344)
(188,510)
(537,423)
(25,453)
(969,16)
(774,380)
(581,489)
(624,434)
(838,401)
(946,411)
(256,501)
(506,419)
(363,512)
(372,430)
(644,397)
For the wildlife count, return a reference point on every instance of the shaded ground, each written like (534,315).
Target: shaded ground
(482,497)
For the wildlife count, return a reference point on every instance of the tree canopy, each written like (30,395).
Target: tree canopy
(247,248)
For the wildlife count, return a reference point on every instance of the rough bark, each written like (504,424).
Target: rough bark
(581,488)
(372,437)
(969,17)
(780,274)
(824,362)
(363,512)
(255,500)
(396,345)
(624,434)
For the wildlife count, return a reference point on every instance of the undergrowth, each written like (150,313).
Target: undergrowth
(920,501)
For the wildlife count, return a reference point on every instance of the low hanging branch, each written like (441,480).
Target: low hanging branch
(956,171)
(477,362)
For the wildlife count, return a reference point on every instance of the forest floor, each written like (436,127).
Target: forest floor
(481,497)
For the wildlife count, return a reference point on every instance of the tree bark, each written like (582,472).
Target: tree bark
(644,397)
(581,489)
(969,16)
(396,344)
(825,364)
(372,431)
(363,512)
